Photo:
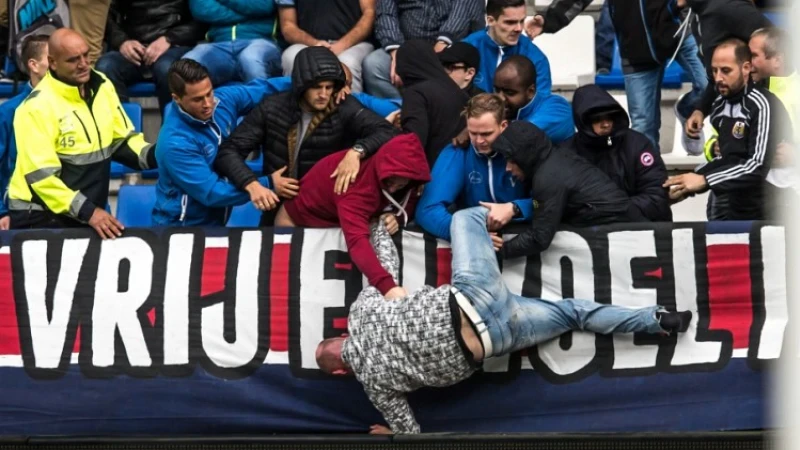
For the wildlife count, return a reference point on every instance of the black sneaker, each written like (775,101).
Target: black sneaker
(674,322)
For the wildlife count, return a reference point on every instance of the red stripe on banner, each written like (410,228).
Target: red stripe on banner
(443,257)
(279,298)
(343,266)
(340,323)
(213,277)
(658,273)
(151,316)
(730,301)
(9,334)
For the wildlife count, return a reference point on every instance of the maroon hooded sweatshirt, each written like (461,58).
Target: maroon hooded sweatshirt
(316,206)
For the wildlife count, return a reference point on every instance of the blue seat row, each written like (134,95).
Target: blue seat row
(135,208)
(673,76)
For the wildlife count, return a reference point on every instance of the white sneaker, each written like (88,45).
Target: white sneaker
(693,147)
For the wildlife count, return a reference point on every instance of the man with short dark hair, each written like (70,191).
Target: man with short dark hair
(461,61)
(343,26)
(475,176)
(437,337)
(74,126)
(515,81)
(34,55)
(750,122)
(502,39)
(296,129)
(188,191)
(144,38)
(438,22)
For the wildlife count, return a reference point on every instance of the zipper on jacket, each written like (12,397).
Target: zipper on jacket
(609,141)
(647,33)
(491,181)
(122,113)
(97,129)
(85,131)
(184,205)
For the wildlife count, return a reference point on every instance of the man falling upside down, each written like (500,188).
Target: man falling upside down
(440,336)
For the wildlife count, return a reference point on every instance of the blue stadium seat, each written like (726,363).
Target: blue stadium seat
(142,90)
(135,205)
(616,80)
(134,112)
(244,216)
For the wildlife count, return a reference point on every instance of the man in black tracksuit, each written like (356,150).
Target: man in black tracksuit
(751,122)
(566,188)
(296,129)
(716,21)
(626,156)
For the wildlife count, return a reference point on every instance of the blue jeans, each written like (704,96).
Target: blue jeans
(644,102)
(239,60)
(375,69)
(517,322)
(604,39)
(123,73)
(690,62)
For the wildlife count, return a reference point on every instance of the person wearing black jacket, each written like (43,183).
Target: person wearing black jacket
(626,156)
(145,38)
(566,189)
(461,61)
(717,21)
(432,101)
(296,129)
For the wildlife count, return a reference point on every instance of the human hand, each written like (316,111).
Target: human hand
(717,152)
(784,155)
(390,221)
(394,118)
(343,93)
(105,224)
(133,51)
(681,186)
(534,26)
(5,223)
(396,292)
(497,241)
(499,214)
(462,140)
(379,429)
(155,50)
(694,124)
(393,77)
(325,44)
(337,48)
(284,186)
(264,199)
(439,46)
(346,172)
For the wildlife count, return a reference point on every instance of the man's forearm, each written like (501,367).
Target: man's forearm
(361,31)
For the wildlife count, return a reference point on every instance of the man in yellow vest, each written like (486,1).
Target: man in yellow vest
(772,66)
(68,130)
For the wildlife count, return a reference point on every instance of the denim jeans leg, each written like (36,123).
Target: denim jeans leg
(259,59)
(643,90)
(604,39)
(160,69)
(690,61)
(218,58)
(534,320)
(376,69)
(121,72)
(476,273)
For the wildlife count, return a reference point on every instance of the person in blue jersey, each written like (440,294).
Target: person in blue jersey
(34,54)
(188,191)
(475,176)
(503,38)
(515,81)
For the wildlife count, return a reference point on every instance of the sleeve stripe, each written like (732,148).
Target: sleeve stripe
(757,160)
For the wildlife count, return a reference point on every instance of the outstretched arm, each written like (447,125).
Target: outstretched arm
(385,249)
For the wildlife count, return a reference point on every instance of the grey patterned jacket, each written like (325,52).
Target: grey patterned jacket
(396,347)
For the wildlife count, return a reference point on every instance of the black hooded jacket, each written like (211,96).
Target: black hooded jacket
(718,20)
(148,20)
(267,125)
(566,189)
(432,101)
(626,156)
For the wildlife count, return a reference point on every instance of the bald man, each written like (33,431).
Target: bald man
(69,129)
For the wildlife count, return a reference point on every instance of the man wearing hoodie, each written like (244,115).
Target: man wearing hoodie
(437,337)
(388,179)
(626,156)
(475,176)
(503,38)
(432,101)
(188,191)
(566,189)
(515,81)
(241,40)
(296,129)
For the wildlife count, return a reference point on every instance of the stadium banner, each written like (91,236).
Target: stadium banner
(193,331)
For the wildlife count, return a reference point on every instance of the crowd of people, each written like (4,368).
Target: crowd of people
(373,114)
